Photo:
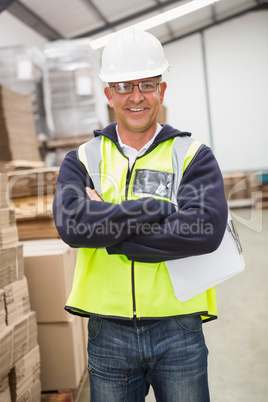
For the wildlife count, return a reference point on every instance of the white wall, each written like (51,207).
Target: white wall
(185,97)
(237,58)
(13,32)
(237,65)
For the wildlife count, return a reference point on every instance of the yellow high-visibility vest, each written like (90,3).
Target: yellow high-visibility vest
(111,285)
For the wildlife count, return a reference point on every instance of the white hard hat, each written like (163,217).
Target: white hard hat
(132,54)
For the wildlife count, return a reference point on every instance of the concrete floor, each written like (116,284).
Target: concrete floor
(237,341)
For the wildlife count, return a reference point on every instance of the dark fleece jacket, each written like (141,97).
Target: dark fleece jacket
(197,228)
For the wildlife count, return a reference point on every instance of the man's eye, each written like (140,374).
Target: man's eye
(124,87)
(147,85)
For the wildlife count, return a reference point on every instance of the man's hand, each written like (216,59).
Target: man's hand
(93,195)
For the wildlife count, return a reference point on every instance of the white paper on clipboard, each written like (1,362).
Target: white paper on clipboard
(193,275)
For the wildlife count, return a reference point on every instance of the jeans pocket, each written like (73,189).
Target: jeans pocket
(94,327)
(107,369)
(191,323)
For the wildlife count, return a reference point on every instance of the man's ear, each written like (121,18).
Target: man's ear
(108,93)
(163,87)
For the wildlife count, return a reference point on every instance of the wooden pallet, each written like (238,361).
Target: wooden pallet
(33,229)
(240,203)
(261,200)
(68,395)
(33,207)
(68,142)
(261,205)
(32,182)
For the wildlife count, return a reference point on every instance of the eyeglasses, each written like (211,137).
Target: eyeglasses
(127,87)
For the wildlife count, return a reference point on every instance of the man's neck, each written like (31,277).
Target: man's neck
(136,139)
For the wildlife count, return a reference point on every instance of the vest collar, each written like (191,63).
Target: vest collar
(165,134)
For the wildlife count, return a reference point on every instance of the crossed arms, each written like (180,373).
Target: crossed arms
(145,230)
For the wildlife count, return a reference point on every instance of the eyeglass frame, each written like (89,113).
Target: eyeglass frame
(134,85)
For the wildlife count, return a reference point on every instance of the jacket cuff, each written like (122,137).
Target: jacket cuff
(117,249)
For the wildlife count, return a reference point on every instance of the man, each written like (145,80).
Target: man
(137,195)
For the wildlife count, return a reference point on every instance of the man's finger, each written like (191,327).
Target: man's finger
(93,195)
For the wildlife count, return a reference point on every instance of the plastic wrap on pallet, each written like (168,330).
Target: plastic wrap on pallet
(74,87)
(22,70)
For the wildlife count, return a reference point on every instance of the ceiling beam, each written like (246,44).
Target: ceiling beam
(97,10)
(263,6)
(128,18)
(5,4)
(29,18)
(167,24)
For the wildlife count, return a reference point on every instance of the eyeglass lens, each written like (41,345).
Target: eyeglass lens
(127,87)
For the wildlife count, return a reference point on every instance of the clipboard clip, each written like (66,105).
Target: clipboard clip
(232,229)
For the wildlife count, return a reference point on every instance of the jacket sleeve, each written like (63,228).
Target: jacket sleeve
(84,223)
(199,225)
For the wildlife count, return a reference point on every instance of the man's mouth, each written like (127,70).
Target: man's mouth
(136,110)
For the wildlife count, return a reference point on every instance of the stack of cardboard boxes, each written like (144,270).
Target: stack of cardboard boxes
(261,197)
(35,281)
(49,268)
(22,70)
(72,86)
(32,192)
(18,133)
(19,350)
(240,188)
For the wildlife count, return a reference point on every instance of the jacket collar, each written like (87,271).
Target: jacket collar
(165,134)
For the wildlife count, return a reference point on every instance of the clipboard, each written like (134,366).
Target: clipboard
(191,276)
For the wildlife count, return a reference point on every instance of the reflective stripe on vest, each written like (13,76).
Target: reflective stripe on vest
(103,284)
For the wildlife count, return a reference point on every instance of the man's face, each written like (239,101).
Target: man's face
(138,110)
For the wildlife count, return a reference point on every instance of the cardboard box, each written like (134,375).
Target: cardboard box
(16,340)
(7,266)
(37,228)
(2,310)
(24,378)
(19,261)
(3,190)
(49,267)
(235,186)
(4,217)
(11,265)
(8,236)
(6,351)
(62,354)
(18,132)
(5,395)
(32,182)
(17,300)
(24,336)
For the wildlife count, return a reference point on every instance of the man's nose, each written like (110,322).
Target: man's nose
(136,96)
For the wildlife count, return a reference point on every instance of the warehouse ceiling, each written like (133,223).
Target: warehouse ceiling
(69,19)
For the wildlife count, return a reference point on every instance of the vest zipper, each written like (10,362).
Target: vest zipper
(129,173)
(132,262)
(133,294)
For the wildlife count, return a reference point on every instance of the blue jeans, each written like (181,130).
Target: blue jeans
(170,355)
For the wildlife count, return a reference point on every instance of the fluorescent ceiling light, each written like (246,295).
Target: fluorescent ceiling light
(159,19)
(102,41)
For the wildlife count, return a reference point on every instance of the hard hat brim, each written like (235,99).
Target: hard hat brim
(132,75)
